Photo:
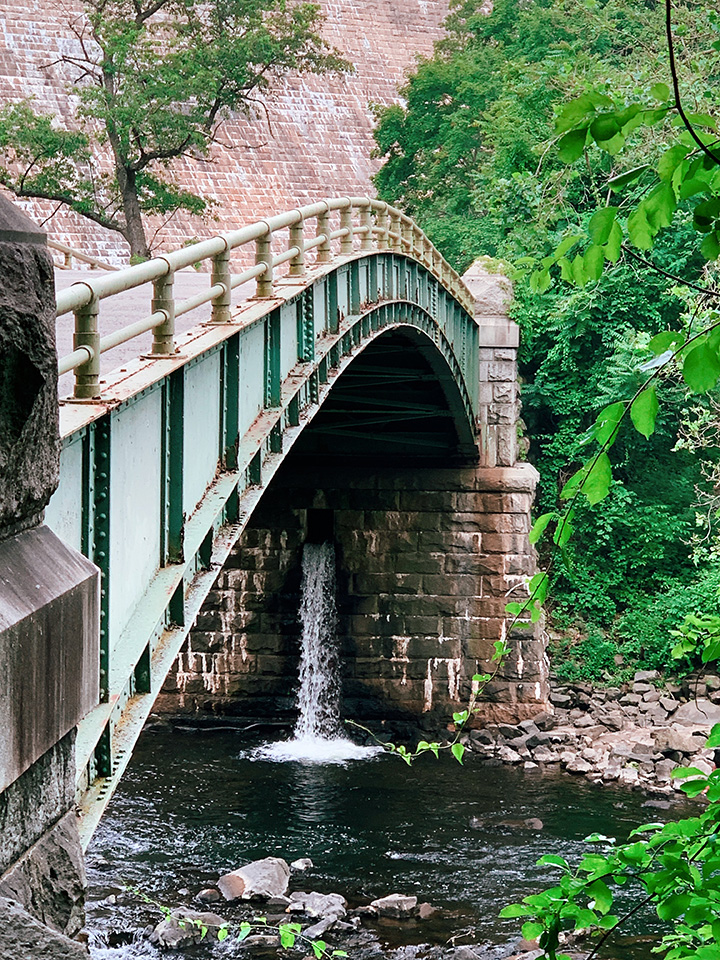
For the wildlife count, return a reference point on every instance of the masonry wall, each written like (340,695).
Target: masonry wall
(425,561)
(319,141)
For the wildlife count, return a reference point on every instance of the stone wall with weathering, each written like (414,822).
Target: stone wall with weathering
(320,137)
(425,558)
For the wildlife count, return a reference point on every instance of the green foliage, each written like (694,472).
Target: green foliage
(672,868)
(154,80)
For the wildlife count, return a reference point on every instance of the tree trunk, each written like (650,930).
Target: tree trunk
(134,227)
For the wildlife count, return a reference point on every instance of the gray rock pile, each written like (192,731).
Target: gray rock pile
(634,735)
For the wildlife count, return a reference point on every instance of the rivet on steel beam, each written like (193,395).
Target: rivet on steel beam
(221,274)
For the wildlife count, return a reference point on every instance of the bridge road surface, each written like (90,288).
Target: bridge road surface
(125,308)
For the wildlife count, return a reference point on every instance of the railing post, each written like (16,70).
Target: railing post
(366,221)
(87,334)
(221,274)
(164,335)
(263,254)
(68,260)
(346,243)
(324,253)
(419,244)
(394,228)
(297,240)
(382,222)
(406,231)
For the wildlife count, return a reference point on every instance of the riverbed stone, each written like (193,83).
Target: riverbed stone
(261,879)
(678,740)
(701,712)
(185,927)
(324,905)
(395,905)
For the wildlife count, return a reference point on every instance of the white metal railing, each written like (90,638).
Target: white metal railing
(377,225)
(69,254)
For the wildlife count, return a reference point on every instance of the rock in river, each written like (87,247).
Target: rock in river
(260,879)
(185,926)
(395,905)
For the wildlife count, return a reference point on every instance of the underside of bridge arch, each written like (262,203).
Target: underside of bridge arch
(427,545)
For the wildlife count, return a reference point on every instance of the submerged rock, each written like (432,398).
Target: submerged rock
(260,879)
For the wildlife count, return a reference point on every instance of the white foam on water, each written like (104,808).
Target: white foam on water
(314,750)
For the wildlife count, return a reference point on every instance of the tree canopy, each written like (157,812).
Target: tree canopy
(513,141)
(154,80)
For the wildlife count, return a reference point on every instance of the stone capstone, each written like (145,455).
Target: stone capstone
(260,879)
(25,937)
(184,927)
(49,617)
(395,905)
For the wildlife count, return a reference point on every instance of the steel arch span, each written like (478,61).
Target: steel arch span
(164,461)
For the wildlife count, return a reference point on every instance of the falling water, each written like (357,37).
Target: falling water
(317,736)
(319,695)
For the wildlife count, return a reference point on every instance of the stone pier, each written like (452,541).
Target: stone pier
(49,622)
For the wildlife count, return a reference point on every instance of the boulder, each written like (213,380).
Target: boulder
(699,712)
(260,879)
(186,927)
(319,928)
(508,755)
(395,905)
(324,905)
(578,765)
(304,863)
(676,740)
(209,895)
(644,676)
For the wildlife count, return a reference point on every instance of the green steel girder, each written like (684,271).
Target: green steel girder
(385,293)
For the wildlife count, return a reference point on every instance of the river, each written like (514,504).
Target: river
(197,801)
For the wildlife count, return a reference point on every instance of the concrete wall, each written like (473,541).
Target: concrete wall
(425,559)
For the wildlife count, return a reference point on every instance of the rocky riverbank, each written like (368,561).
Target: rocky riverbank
(635,734)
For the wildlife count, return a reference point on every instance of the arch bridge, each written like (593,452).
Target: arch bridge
(375,360)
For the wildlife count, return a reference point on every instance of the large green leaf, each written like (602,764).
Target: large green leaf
(571,146)
(593,262)
(701,368)
(601,224)
(607,422)
(644,411)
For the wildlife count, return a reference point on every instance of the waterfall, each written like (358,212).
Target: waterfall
(318,698)
(317,737)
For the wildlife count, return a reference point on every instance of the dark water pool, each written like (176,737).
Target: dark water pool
(193,805)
